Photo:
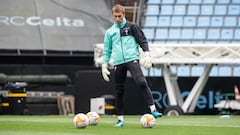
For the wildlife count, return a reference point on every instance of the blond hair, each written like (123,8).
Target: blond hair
(118,8)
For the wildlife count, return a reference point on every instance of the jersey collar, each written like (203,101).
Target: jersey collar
(124,21)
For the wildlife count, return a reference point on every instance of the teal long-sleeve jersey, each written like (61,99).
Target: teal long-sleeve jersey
(122,41)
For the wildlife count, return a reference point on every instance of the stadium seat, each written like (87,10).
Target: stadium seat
(177,21)
(153,2)
(207,10)
(164,21)
(183,71)
(182,1)
(195,1)
(149,33)
(236,1)
(234,10)
(168,1)
(214,71)
(161,34)
(193,10)
(227,34)
(199,34)
(236,71)
(189,21)
(230,22)
(151,21)
(166,10)
(155,72)
(208,1)
(237,34)
(220,10)
(187,34)
(217,21)
(197,71)
(213,34)
(174,34)
(152,10)
(223,1)
(203,21)
(238,22)
(179,10)
(224,71)
(173,69)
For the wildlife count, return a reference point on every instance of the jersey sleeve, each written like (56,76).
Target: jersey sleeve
(107,50)
(140,37)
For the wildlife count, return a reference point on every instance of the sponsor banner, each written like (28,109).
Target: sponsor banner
(211,94)
(45,26)
(41,21)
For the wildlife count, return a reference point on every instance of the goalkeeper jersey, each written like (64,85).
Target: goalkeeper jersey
(122,41)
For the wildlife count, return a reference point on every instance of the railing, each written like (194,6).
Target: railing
(186,54)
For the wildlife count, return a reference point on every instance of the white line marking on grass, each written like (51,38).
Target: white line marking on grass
(36,120)
(41,133)
(198,125)
(201,123)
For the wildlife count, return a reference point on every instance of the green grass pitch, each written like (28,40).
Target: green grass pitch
(174,125)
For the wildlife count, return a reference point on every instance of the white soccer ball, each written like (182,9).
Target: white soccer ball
(147,121)
(80,120)
(93,117)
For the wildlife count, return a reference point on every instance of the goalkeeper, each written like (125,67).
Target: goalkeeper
(122,40)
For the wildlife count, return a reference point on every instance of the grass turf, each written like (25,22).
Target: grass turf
(63,125)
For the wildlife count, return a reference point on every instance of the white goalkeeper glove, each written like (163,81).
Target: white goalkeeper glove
(105,72)
(146,62)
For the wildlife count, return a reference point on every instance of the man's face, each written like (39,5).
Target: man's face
(118,17)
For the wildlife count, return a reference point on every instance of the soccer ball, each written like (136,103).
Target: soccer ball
(80,120)
(93,118)
(147,121)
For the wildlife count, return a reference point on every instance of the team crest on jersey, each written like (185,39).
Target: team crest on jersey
(126,31)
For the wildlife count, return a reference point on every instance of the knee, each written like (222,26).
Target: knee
(142,83)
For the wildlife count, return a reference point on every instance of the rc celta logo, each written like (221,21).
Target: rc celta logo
(40,21)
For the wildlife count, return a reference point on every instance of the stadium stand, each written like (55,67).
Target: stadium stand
(213,27)
(192,20)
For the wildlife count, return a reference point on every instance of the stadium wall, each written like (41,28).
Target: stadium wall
(87,82)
